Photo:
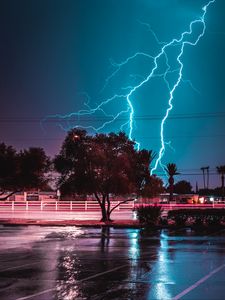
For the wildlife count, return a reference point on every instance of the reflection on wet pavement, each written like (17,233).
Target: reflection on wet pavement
(67,263)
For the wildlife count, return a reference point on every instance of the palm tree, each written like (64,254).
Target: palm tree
(171,170)
(221,171)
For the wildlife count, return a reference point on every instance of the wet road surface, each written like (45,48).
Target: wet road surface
(44,263)
(59,215)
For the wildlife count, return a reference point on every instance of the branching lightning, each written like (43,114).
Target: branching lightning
(183,42)
(127,96)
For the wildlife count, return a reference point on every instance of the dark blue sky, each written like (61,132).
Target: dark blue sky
(52,51)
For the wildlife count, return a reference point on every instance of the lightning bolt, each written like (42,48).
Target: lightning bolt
(67,121)
(183,42)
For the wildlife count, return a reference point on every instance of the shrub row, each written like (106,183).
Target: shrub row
(151,215)
(197,217)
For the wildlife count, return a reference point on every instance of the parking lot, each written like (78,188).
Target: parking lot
(77,263)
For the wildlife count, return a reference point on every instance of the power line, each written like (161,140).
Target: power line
(140,137)
(101,118)
(188,174)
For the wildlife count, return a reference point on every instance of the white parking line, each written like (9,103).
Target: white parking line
(37,294)
(18,267)
(82,280)
(197,283)
(103,273)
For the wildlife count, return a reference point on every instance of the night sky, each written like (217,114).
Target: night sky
(53,53)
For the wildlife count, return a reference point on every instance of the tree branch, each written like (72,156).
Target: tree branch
(98,199)
(10,194)
(125,201)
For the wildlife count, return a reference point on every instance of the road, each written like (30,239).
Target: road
(65,210)
(82,215)
(75,263)
(79,210)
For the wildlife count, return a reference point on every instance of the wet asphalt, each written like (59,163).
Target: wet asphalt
(44,263)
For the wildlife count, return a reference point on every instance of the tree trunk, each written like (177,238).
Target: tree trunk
(105,214)
(102,206)
(171,182)
(108,208)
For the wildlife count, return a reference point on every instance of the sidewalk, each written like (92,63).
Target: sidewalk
(80,223)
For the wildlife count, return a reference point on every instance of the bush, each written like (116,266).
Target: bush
(163,221)
(149,215)
(213,220)
(180,220)
(198,222)
(179,216)
(198,217)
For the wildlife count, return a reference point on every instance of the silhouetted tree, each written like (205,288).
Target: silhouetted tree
(101,165)
(217,192)
(33,168)
(153,188)
(206,192)
(221,171)
(171,170)
(21,171)
(8,168)
(182,187)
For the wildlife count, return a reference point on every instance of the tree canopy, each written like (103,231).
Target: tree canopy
(182,187)
(102,165)
(8,169)
(22,170)
(153,187)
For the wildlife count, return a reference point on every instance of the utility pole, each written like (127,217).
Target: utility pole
(206,182)
(196,188)
(207,170)
(203,173)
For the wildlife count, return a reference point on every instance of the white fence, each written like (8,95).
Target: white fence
(62,206)
(90,205)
